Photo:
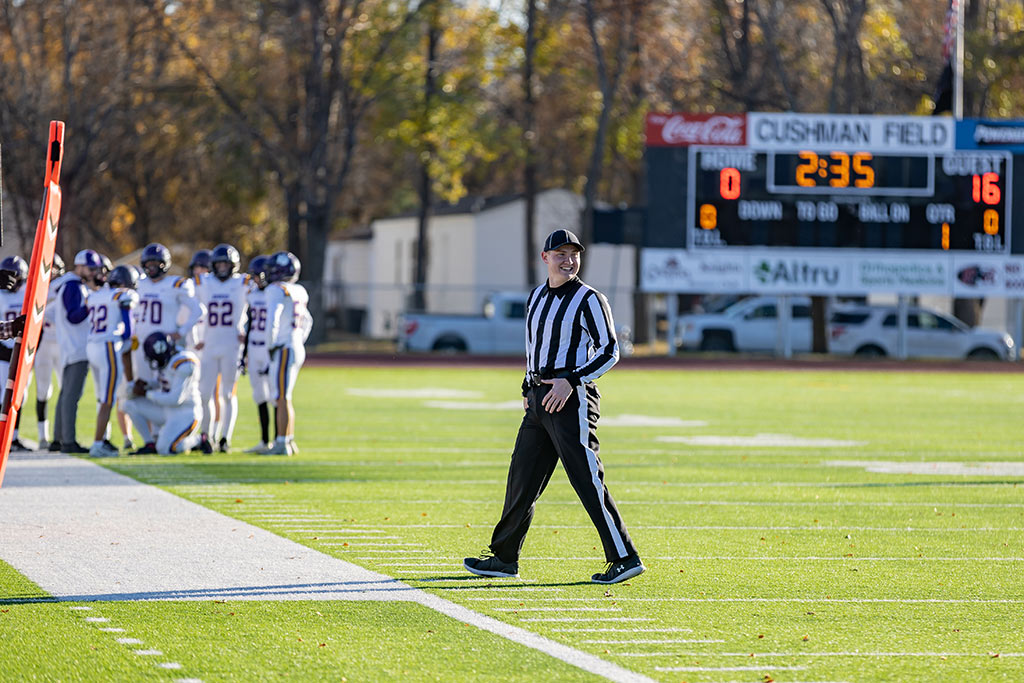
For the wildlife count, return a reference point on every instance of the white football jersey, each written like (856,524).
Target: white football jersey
(160,302)
(224,302)
(107,322)
(288,318)
(258,310)
(49,336)
(179,382)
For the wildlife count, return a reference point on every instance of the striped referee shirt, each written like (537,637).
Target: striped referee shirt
(569,333)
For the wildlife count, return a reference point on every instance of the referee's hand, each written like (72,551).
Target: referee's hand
(560,392)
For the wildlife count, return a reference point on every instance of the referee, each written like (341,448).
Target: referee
(570,342)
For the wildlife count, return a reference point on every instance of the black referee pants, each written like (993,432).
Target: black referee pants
(569,435)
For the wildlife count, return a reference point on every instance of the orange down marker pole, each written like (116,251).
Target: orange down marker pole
(36,290)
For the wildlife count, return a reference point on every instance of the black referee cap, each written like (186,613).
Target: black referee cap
(560,238)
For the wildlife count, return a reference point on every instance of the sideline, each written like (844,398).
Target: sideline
(84,533)
(740,362)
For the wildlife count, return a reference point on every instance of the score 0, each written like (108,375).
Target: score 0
(985,190)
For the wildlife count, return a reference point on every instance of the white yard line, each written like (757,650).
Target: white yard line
(84,533)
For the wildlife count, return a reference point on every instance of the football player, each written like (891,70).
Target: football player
(222,293)
(101,277)
(166,411)
(161,298)
(257,351)
(199,265)
(47,360)
(288,327)
(15,272)
(110,334)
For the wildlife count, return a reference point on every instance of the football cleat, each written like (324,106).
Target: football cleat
(148,449)
(204,446)
(278,448)
(103,450)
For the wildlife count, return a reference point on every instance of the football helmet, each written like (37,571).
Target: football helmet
(258,270)
(225,253)
(158,347)
(17,266)
(123,276)
(158,257)
(202,259)
(283,267)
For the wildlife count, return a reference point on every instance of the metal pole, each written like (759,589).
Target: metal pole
(1015,320)
(783,338)
(672,300)
(958,63)
(901,327)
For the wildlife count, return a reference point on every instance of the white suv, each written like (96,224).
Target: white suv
(872,331)
(752,325)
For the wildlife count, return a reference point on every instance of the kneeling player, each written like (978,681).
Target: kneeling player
(170,406)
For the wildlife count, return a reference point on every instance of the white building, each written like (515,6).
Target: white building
(476,247)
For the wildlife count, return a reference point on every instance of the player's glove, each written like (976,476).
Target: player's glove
(139,388)
(276,350)
(18,325)
(7,280)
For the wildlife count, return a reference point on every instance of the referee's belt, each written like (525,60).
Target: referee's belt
(534,379)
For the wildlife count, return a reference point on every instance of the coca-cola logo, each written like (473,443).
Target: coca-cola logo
(697,129)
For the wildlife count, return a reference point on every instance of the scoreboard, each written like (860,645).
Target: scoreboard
(826,182)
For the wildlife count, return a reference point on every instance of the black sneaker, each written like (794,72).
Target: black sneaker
(223,446)
(204,445)
(17,445)
(73,447)
(148,449)
(621,570)
(54,446)
(488,564)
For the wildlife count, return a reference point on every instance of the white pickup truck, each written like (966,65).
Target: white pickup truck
(501,328)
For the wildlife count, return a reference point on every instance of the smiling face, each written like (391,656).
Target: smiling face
(563,264)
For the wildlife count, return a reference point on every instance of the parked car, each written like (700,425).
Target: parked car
(872,331)
(853,329)
(500,329)
(747,325)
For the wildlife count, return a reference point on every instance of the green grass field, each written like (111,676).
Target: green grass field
(893,551)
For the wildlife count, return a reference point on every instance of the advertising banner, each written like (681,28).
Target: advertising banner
(800,274)
(685,129)
(676,270)
(989,134)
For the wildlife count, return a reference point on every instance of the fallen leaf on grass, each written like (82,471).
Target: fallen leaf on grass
(806,638)
(238,500)
(993,655)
